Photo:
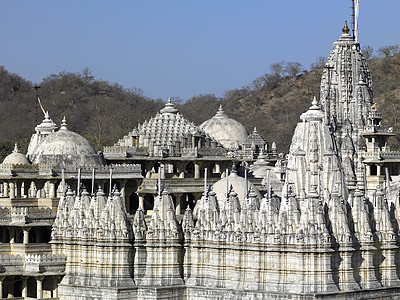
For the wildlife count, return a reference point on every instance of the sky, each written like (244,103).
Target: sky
(180,48)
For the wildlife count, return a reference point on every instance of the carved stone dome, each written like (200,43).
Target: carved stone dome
(225,130)
(66,148)
(16,158)
(237,183)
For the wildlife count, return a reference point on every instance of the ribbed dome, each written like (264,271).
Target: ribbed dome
(225,130)
(16,158)
(238,185)
(65,148)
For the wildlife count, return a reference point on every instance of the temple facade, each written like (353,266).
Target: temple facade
(178,211)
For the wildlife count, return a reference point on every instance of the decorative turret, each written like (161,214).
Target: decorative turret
(44,129)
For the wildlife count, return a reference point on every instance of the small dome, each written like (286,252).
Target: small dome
(225,130)
(64,148)
(16,158)
(238,185)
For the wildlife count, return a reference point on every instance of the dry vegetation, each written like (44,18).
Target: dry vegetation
(103,112)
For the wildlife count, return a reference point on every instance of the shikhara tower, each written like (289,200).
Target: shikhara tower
(346,99)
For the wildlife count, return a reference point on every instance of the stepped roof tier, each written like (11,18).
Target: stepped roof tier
(168,134)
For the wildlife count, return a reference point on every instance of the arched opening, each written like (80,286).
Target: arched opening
(32,235)
(43,235)
(49,285)
(374,170)
(4,235)
(148,202)
(32,287)
(190,170)
(187,200)
(8,287)
(155,167)
(17,286)
(19,235)
(133,203)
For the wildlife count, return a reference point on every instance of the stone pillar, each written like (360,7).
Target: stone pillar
(123,194)
(26,235)
(39,287)
(1,285)
(378,170)
(162,171)
(52,189)
(178,204)
(22,189)
(12,190)
(368,170)
(217,168)
(56,281)
(141,201)
(5,189)
(196,170)
(18,190)
(24,286)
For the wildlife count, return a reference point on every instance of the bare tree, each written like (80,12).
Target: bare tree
(319,63)
(293,68)
(277,68)
(388,51)
(367,51)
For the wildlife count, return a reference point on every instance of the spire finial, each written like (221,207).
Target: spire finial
(345,29)
(314,104)
(220,112)
(16,148)
(64,123)
(169,108)
(255,130)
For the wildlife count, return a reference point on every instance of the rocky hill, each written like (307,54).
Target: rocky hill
(103,112)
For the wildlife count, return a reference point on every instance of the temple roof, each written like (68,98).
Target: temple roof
(65,147)
(225,130)
(16,158)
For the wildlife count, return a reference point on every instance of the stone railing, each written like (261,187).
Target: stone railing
(25,214)
(115,151)
(11,264)
(44,263)
(391,154)
(378,128)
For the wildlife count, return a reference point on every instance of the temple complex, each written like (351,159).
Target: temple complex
(178,211)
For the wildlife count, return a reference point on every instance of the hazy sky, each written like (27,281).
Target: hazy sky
(180,48)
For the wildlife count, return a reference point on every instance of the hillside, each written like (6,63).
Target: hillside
(103,111)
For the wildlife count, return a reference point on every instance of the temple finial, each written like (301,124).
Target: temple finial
(345,29)
(64,123)
(16,150)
